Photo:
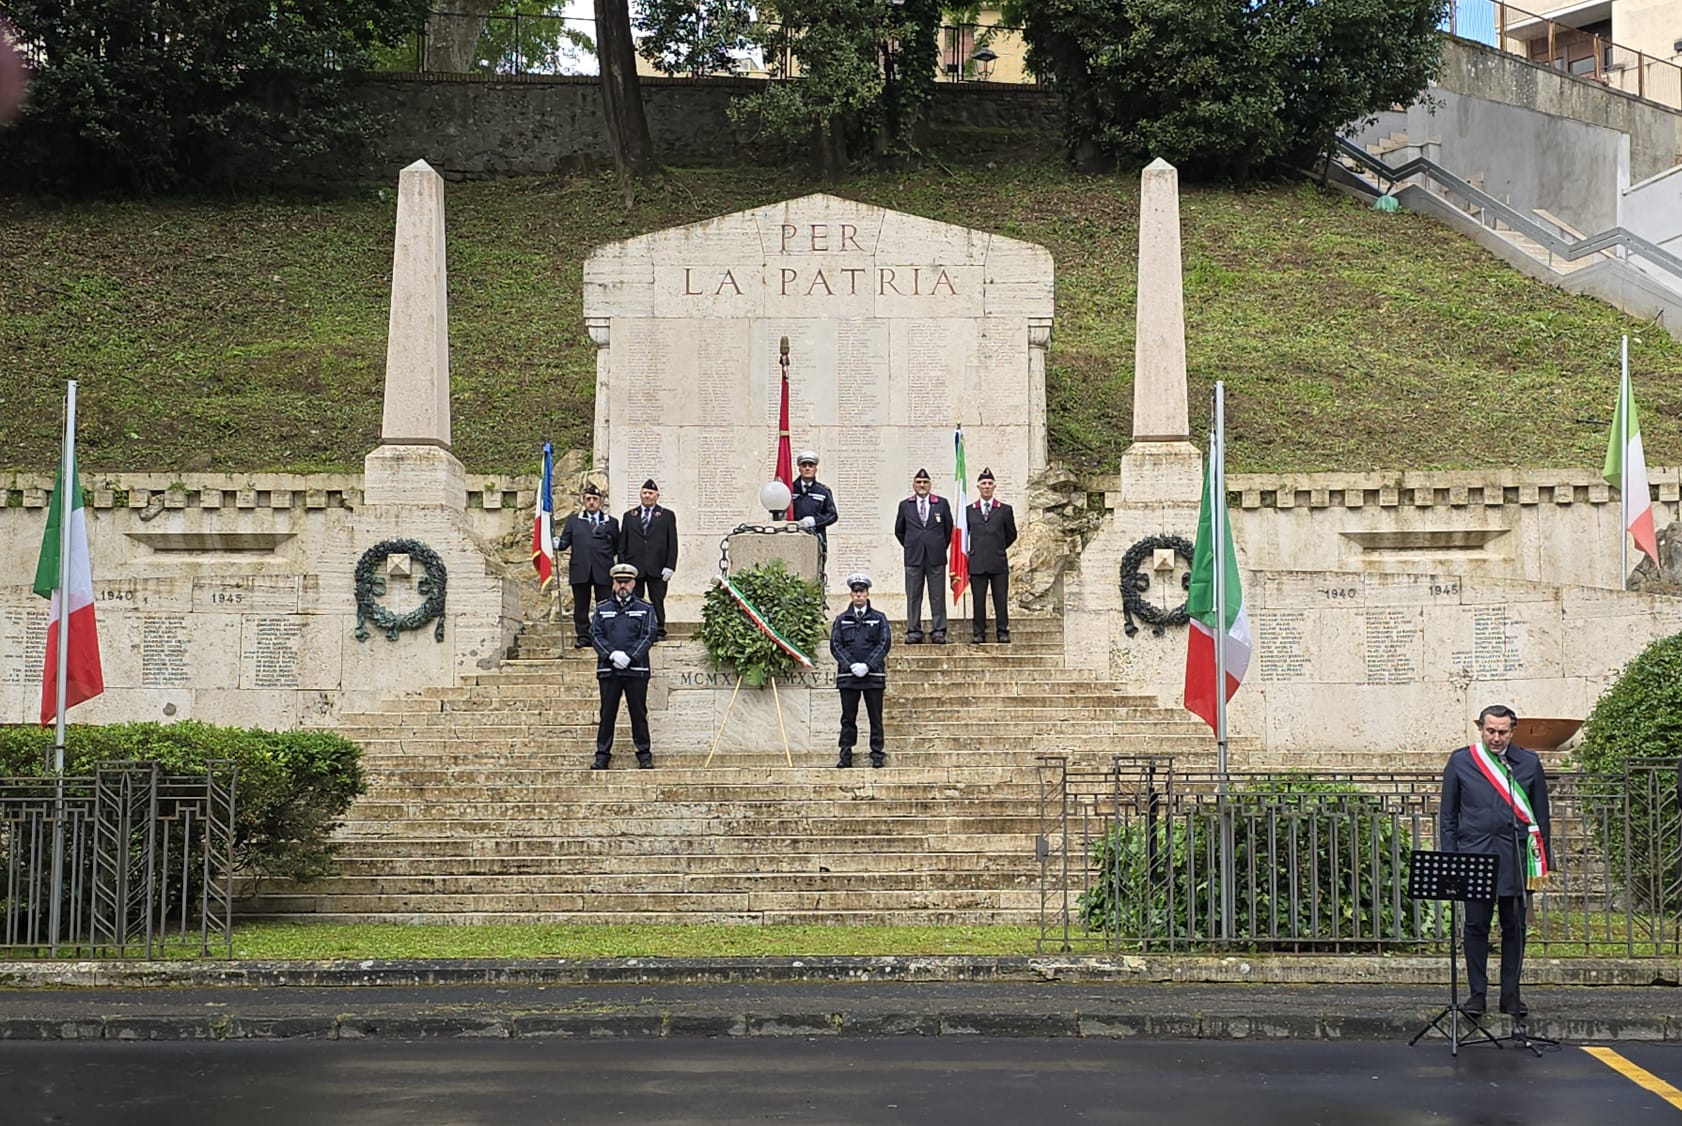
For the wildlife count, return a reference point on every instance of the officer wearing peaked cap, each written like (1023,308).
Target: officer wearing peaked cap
(593,538)
(622,630)
(814,501)
(859,640)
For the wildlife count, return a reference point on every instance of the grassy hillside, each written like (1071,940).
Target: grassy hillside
(251,335)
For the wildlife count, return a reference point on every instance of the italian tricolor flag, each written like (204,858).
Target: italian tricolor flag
(957,562)
(83,679)
(1234,632)
(1624,455)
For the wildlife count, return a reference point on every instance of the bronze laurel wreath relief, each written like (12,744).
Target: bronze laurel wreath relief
(370,585)
(1135,582)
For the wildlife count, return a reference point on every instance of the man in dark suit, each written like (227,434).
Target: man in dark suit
(1495,800)
(648,541)
(593,537)
(992,529)
(923,527)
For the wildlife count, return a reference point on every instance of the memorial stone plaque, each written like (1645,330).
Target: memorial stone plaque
(899,328)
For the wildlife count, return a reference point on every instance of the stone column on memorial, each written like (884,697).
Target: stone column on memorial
(1161,464)
(413,464)
(601,336)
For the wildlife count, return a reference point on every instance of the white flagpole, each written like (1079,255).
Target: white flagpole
(66,502)
(1625,399)
(1217,527)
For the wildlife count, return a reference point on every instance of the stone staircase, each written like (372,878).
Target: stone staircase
(480,806)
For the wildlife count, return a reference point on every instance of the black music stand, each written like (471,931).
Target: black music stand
(1454,876)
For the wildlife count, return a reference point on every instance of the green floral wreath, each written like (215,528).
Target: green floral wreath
(371,586)
(793,606)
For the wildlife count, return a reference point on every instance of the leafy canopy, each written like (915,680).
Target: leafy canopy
(1227,88)
(153,95)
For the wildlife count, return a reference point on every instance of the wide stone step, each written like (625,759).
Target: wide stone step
(586,862)
(661,883)
(449,838)
(520,818)
(644,902)
(820,917)
(577,807)
(603,801)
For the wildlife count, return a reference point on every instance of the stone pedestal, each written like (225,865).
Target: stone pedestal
(797,550)
(1158,472)
(424,476)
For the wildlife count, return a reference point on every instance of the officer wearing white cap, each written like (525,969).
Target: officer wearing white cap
(623,630)
(859,640)
(814,502)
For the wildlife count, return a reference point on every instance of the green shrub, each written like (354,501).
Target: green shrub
(292,786)
(792,605)
(1159,878)
(1636,721)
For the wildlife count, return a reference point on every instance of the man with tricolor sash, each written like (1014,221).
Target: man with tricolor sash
(1495,801)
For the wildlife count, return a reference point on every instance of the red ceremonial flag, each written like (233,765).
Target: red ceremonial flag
(785,457)
(957,562)
(83,679)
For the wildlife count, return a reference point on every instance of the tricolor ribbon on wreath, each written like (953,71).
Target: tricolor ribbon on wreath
(1536,853)
(765,627)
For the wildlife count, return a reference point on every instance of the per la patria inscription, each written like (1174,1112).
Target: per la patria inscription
(898,327)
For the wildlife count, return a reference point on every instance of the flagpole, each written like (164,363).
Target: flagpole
(1625,399)
(1217,516)
(67,481)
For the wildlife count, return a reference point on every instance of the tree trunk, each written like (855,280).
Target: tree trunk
(627,125)
(452,33)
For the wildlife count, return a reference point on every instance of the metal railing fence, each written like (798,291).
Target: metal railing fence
(144,856)
(1131,860)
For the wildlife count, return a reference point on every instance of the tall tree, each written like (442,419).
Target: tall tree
(1229,88)
(627,123)
(154,95)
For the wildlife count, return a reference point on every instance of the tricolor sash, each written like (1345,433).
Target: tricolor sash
(1536,854)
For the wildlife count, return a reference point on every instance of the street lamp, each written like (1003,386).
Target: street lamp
(984,60)
(773,498)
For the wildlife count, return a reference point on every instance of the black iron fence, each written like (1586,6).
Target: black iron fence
(139,859)
(1142,856)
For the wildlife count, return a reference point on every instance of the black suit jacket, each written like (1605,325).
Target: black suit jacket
(989,539)
(593,549)
(1475,818)
(925,544)
(651,550)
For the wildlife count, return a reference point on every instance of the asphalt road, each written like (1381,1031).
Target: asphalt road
(825,1080)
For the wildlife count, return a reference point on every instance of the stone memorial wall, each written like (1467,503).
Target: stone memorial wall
(898,328)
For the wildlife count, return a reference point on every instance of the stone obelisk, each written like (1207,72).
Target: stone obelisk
(413,464)
(1161,464)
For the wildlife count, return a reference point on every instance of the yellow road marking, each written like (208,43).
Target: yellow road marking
(1640,1076)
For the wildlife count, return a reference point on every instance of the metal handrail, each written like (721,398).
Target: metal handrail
(1568,249)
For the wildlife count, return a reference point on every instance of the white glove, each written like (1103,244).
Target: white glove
(665,574)
(808,522)
(619,658)
(860,669)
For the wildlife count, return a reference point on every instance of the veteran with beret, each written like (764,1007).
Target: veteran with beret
(648,541)
(622,630)
(923,526)
(859,640)
(593,538)
(992,529)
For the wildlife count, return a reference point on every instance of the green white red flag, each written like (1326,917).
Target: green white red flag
(957,562)
(1232,633)
(73,605)
(1626,471)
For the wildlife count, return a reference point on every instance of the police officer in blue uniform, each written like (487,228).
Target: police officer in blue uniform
(623,630)
(814,503)
(859,640)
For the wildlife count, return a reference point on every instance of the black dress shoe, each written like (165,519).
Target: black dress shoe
(600,763)
(845,762)
(645,761)
(661,636)
(1004,637)
(914,638)
(1518,1010)
(939,637)
(877,761)
(978,639)
(581,644)
(1472,1006)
